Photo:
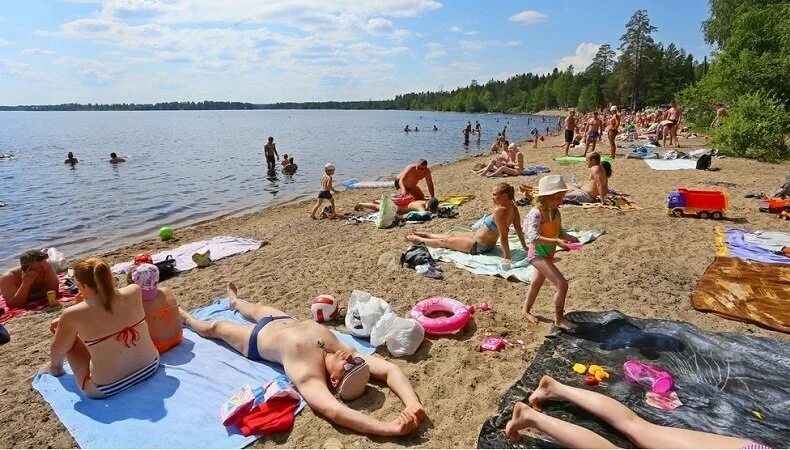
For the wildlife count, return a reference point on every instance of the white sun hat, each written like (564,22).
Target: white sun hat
(551,184)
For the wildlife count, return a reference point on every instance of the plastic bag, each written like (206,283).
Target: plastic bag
(402,336)
(387,212)
(57,259)
(364,311)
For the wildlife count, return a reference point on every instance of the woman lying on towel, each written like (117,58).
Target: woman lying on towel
(104,336)
(487,230)
(640,432)
(161,308)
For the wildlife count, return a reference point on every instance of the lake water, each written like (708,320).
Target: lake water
(186,166)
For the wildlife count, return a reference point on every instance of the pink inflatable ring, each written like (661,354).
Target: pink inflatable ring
(441,325)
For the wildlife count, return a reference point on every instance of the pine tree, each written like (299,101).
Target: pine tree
(634,47)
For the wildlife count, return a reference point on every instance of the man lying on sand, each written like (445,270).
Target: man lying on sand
(431,205)
(597,186)
(30,281)
(312,356)
(408,179)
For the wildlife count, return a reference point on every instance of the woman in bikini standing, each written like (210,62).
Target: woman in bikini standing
(104,337)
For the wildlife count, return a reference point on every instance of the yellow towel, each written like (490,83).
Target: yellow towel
(456,200)
(721,245)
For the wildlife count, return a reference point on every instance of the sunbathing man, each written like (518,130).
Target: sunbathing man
(431,205)
(30,281)
(312,356)
(594,127)
(509,168)
(597,186)
(408,179)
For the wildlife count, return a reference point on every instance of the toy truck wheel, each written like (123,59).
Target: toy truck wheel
(677,212)
(717,215)
(703,214)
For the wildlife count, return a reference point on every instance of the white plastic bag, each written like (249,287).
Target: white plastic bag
(57,259)
(363,312)
(387,212)
(402,336)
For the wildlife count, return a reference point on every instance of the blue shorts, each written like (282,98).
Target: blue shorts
(252,350)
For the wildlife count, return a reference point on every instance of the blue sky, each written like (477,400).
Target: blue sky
(261,51)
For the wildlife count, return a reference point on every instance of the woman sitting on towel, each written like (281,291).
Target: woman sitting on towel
(104,336)
(487,230)
(161,309)
(639,431)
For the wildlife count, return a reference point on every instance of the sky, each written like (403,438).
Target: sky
(266,51)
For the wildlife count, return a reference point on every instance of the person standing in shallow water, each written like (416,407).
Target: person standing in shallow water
(270,151)
(71,160)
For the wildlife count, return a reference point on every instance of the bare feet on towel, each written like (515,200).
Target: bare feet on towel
(544,392)
(565,325)
(523,417)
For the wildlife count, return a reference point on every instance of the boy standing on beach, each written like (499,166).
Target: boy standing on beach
(326,191)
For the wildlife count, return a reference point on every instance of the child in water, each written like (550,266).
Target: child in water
(326,192)
(543,229)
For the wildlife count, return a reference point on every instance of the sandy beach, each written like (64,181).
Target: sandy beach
(647,264)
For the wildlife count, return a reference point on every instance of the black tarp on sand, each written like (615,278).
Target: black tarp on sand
(720,378)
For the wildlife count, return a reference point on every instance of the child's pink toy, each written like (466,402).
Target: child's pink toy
(652,377)
(575,245)
(492,344)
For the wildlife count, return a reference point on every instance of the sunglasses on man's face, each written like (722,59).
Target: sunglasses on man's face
(356,361)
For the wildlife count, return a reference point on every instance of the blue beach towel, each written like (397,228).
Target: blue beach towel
(178,407)
(534,170)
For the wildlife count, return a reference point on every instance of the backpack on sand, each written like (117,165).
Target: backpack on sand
(703,163)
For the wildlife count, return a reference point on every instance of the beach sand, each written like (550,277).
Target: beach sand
(646,265)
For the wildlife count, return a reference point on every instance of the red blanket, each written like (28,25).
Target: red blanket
(64,296)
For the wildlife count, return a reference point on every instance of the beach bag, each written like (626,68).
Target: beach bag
(167,268)
(416,255)
(703,163)
(387,212)
(363,312)
(402,336)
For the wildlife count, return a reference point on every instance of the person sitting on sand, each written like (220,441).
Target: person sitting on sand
(543,226)
(313,357)
(290,167)
(114,159)
(509,168)
(326,192)
(430,205)
(408,179)
(161,308)
(504,158)
(639,431)
(487,230)
(70,159)
(31,280)
(596,188)
(105,336)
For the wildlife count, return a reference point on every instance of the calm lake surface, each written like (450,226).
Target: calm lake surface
(186,166)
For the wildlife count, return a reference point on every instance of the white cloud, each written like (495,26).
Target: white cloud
(37,51)
(4,42)
(585,52)
(474,45)
(514,43)
(435,50)
(529,16)
(92,72)
(457,29)
(17,69)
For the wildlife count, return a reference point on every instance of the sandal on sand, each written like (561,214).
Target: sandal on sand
(202,259)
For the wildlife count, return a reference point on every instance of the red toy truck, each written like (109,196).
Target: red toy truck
(703,204)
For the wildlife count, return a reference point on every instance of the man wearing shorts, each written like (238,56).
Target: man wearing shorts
(570,129)
(314,359)
(270,151)
(596,187)
(407,181)
(594,128)
(611,130)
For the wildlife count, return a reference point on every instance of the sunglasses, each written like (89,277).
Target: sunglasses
(356,361)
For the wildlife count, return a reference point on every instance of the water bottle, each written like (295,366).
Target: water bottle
(651,377)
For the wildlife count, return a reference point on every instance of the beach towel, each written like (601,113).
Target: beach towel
(642,153)
(567,160)
(220,247)
(534,170)
(748,291)
(671,164)
(759,246)
(723,380)
(620,203)
(353,183)
(64,297)
(491,263)
(455,200)
(179,406)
